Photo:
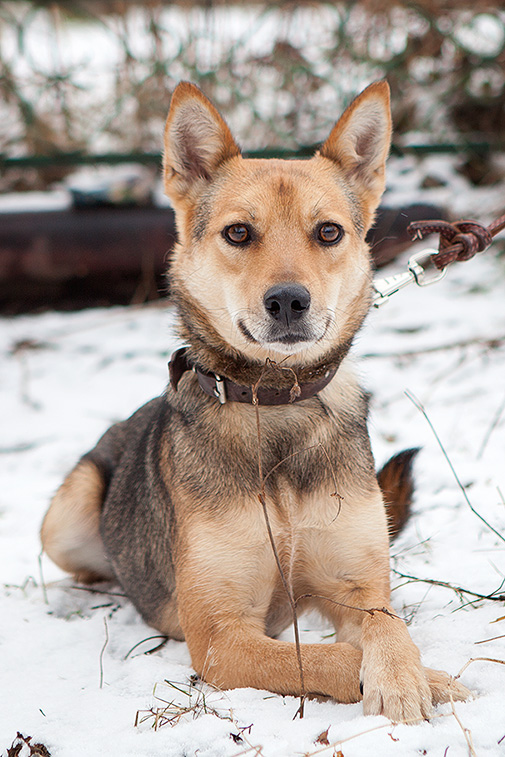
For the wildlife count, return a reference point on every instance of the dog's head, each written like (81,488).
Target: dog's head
(272,253)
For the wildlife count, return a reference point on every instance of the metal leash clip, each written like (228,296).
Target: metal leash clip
(415,274)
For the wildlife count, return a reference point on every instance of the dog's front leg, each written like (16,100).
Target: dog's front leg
(225,588)
(393,681)
(231,652)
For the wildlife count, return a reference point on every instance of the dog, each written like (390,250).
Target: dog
(262,428)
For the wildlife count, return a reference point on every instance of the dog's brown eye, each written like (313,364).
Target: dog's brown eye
(329,233)
(237,233)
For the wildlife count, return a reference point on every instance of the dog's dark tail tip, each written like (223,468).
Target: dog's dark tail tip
(397,484)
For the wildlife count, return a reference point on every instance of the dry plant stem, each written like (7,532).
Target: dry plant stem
(262,499)
(288,457)
(257,750)
(370,611)
(494,638)
(466,731)
(488,342)
(332,471)
(491,428)
(444,452)
(91,590)
(103,650)
(150,651)
(287,588)
(338,744)
(458,589)
(477,659)
(42,582)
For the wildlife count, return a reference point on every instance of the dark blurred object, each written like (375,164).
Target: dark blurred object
(389,237)
(71,259)
(126,189)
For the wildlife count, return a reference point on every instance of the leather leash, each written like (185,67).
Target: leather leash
(460,240)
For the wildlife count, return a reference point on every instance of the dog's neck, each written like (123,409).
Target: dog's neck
(209,351)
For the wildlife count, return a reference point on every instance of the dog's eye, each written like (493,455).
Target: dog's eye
(329,233)
(237,233)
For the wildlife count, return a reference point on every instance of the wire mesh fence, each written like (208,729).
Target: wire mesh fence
(87,77)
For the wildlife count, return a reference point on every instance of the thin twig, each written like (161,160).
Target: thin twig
(92,590)
(321,446)
(493,638)
(491,428)
(489,342)
(287,587)
(288,457)
(42,582)
(332,471)
(256,749)
(370,611)
(477,659)
(149,638)
(103,650)
(457,589)
(466,731)
(338,744)
(420,407)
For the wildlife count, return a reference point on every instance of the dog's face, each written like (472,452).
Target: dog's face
(272,252)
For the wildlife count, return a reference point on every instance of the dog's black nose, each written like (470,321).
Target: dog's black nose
(287,302)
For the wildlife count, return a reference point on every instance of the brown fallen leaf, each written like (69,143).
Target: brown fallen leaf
(323,738)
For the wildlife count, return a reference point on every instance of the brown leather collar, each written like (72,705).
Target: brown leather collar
(226,390)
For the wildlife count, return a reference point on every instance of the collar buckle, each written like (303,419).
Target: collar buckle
(220,389)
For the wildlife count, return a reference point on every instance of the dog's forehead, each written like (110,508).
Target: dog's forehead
(257,189)
(302,183)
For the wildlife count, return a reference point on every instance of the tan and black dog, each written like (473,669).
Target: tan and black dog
(271,278)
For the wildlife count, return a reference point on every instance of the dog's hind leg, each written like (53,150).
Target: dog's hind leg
(71,532)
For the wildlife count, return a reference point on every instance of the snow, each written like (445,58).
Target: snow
(16,202)
(70,676)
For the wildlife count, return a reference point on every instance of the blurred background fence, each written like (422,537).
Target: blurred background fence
(90,80)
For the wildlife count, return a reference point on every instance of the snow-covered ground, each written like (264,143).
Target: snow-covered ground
(74,671)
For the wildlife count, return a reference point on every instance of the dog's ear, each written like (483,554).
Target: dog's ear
(197,140)
(359,144)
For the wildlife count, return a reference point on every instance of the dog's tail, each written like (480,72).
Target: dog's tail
(397,484)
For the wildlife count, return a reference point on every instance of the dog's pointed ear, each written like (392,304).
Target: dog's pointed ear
(359,144)
(197,140)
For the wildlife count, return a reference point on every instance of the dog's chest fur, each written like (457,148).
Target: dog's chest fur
(216,450)
(317,470)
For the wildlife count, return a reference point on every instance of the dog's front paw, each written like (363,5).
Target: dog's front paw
(444,687)
(401,693)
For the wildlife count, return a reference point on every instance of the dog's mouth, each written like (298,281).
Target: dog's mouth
(288,321)
(282,338)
